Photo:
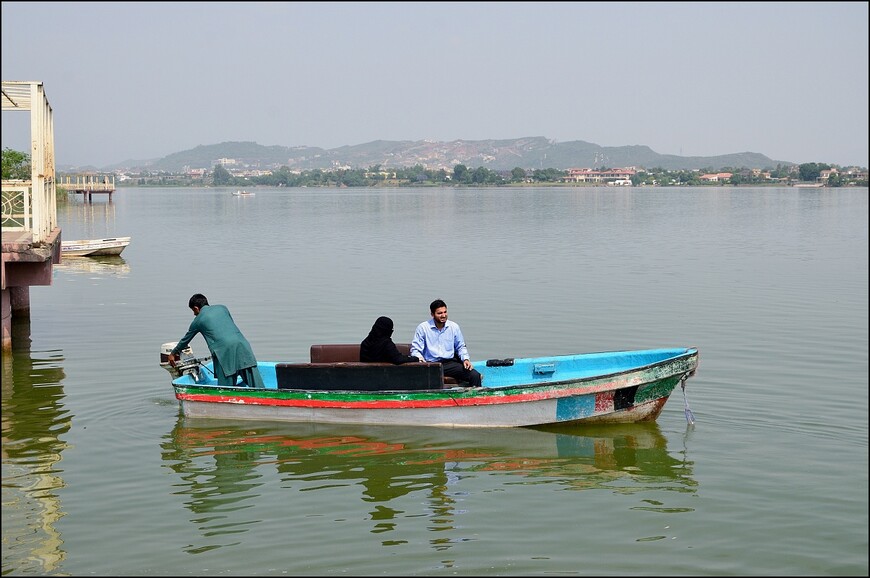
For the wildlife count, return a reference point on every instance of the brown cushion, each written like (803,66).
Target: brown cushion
(349,353)
(335,352)
(344,352)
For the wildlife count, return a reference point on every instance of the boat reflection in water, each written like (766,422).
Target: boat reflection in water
(101,265)
(225,464)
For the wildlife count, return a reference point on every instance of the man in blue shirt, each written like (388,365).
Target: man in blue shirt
(440,340)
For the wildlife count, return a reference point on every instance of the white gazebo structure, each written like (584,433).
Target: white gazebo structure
(31,238)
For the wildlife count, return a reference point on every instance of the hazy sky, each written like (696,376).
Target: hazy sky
(142,80)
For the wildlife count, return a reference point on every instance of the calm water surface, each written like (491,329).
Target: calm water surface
(102,476)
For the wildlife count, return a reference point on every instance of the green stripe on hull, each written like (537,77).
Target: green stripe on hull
(656,389)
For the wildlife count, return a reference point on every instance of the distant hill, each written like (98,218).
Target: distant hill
(528,153)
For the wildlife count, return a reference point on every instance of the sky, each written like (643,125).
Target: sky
(142,80)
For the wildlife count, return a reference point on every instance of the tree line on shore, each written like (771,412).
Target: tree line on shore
(16,165)
(419,175)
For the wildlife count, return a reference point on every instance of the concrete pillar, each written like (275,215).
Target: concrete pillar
(6,315)
(19,299)
(21,339)
(15,304)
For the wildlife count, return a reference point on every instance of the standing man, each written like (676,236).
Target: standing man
(440,340)
(230,351)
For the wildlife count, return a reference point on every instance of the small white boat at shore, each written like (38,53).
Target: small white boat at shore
(94,247)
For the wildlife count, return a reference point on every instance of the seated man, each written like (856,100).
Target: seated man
(441,340)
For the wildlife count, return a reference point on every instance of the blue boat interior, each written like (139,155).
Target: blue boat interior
(496,372)
(538,370)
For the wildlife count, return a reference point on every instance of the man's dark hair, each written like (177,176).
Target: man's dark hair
(198,300)
(437,304)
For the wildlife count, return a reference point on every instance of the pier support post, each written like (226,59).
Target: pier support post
(7,320)
(19,300)
(15,310)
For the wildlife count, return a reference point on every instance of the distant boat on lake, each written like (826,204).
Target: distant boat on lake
(243,194)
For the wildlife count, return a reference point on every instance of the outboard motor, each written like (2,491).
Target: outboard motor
(187,363)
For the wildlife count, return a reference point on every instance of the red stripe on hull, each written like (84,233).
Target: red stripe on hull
(604,390)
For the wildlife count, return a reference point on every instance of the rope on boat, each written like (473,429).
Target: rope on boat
(690,417)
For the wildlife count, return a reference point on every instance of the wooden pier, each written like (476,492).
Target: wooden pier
(89,184)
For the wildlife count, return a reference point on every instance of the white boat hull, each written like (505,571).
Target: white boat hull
(94,247)
(518,415)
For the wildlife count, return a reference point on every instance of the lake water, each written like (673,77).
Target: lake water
(102,476)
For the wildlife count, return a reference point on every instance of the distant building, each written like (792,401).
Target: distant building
(716,177)
(826,174)
(855,174)
(603,177)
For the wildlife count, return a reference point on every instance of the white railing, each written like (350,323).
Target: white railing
(25,211)
(17,215)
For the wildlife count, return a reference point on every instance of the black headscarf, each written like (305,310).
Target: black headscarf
(379,346)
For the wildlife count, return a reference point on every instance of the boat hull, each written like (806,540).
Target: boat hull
(584,388)
(94,247)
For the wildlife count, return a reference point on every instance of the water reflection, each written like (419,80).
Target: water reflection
(82,219)
(33,419)
(223,462)
(636,453)
(100,265)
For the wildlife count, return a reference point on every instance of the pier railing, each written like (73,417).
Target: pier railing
(87,183)
(22,211)
(29,209)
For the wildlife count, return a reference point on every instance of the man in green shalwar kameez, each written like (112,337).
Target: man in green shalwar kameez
(231,353)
